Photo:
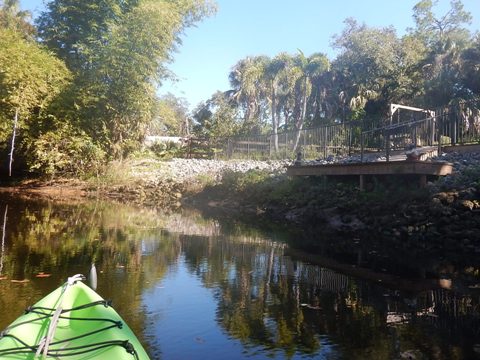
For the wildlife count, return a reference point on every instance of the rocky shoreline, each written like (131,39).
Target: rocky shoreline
(438,227)
(431,213)
(166,183)
(178,182)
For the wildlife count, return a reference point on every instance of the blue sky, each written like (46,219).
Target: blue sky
(244,28)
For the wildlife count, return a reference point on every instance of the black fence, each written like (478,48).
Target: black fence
(453,125)
(460,124)
(329,140)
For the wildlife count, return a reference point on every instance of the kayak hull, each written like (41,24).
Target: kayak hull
(88,328)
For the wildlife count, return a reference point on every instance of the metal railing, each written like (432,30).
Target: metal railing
(315,143)
(459,124)
(455,125)
(398,137)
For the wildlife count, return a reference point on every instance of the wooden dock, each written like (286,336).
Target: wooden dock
(420,169)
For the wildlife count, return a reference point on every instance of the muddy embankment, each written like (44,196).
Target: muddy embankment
(446,212)
(391,225)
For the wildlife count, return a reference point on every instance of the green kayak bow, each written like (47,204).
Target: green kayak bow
(72,322)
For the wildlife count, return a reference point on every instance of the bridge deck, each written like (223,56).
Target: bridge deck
(419,168)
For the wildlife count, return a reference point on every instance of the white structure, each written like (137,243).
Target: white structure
(151,139)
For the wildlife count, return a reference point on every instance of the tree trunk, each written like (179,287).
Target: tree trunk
(274,118)
(15,122)
(187,126)
(302,119)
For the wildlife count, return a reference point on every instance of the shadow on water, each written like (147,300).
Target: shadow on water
(196,287)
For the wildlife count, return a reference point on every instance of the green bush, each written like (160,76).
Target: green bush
(240,182)
(167,150)
(259,186)
(64,153)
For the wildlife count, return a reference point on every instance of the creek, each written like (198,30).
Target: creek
(192,286)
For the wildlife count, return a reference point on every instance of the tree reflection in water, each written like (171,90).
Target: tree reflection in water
(289,308)
(64,239)
(271,304)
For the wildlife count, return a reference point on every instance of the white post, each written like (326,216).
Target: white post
(13,142)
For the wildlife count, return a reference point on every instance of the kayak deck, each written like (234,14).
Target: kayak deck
(88,328)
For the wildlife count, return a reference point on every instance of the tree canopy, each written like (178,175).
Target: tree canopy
(30,79)
(118,50)
(434,64)
(90,73)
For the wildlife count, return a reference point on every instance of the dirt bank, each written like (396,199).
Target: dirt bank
(65,189)
(439,216)
(438,227)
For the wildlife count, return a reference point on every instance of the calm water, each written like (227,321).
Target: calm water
(195,288)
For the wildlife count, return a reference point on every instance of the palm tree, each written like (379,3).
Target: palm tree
(309,67)
(441,71)
(273,75)
(470,68)
(246,78)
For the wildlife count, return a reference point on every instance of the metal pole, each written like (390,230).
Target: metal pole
(349,139)
(433,132)
(325,143)
(361,147)
(270,145)
(439,134)
(387,145)
(455,129)
(304,142)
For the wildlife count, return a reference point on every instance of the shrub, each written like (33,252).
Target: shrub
(64,153)
(167,150)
